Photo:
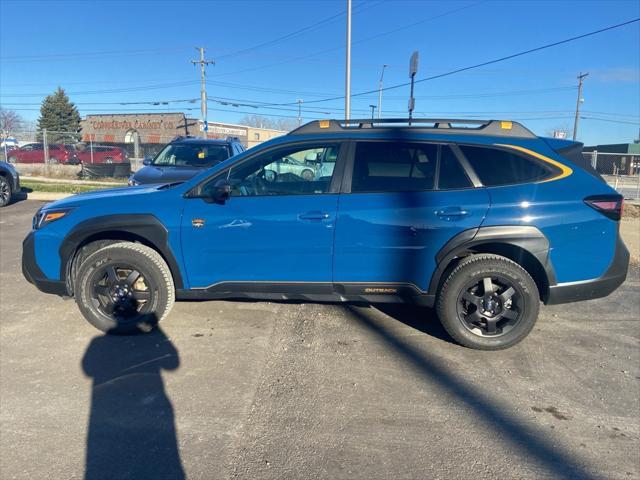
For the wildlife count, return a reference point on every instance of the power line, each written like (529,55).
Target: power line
(77,55)
(115,90)
(333,49)
(489,62)
(610,120)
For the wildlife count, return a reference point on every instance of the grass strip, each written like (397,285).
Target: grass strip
(63,187)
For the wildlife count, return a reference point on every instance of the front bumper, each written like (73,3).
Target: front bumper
(34,275)
(599,287)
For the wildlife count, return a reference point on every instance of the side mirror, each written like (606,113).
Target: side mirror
(147,161)
(221,191)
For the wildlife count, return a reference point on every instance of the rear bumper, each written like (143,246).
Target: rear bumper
(597,287)
(34,275)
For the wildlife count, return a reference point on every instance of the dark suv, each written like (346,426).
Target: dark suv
(9,183)
(482,219)
(184,158)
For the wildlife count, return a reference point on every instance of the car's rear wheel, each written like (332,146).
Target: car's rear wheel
(488,302)
(13,159)
(53,160)
(124,288)
(5,191)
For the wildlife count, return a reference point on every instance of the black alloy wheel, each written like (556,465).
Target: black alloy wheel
(122,291)
(488,302)
(124,287)
(5,191)
(489,306)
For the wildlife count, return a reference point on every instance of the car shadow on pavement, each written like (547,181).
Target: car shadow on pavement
(531,442)
(423,319)
(131,430)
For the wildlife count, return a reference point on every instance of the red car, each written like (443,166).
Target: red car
(34,153)
(100,154)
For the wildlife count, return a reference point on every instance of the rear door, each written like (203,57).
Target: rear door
(403,203)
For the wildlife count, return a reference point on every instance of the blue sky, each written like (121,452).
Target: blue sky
(107,53)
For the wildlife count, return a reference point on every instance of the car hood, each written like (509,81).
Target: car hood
(97,195)
(152,174)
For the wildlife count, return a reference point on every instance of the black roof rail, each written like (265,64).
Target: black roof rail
(502,128)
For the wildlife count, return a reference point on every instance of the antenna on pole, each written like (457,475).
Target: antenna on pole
(380,90)
(203,88)
(413,69)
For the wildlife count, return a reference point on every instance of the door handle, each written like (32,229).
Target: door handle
(313,215)
(452,212)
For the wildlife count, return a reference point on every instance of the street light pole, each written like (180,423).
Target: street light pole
(380,90)
(347,86)
(578,102)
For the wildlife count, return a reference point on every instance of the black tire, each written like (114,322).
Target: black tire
(307,174)
(5,191)
(140,301)
(502,316)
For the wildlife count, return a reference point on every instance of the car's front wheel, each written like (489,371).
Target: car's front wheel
(5,191)
(124,288)
(488,302)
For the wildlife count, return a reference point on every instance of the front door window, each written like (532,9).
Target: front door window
(299,171)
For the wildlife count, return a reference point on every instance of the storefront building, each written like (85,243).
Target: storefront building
(144,134)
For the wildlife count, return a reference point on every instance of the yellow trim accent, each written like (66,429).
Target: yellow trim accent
(324,123)
(566,171)
(506,125)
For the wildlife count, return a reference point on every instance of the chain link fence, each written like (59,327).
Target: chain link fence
(44,147)
(620,170)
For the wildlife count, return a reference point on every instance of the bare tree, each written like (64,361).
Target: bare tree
(260,121)
(10,121)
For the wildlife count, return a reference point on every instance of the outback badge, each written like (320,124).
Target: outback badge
(197,222)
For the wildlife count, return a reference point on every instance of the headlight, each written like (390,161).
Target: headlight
(43,217)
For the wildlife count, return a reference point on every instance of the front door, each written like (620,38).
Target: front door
(406,201)
(277,226)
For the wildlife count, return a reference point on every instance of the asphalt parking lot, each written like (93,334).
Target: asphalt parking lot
(267,390)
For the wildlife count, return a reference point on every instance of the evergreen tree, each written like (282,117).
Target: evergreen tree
(59,115)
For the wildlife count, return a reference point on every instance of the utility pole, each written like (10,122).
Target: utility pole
(299,112)
(380,90)
(373,107)
(578,102)
(347,86)
(203,89)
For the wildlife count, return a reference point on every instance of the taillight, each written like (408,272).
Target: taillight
(609,205)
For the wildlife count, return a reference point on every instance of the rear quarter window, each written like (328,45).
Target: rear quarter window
(496,167)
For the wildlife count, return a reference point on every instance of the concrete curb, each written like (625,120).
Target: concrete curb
(47,196)
(69,181)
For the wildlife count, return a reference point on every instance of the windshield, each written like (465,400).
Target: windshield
(189,155)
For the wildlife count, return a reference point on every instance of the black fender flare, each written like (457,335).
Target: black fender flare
(145,226)
(525,237)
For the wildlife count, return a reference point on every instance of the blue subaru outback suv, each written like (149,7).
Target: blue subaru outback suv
(481,219)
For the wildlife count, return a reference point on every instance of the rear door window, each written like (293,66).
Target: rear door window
(497,167)
(394,167)
(452,175)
